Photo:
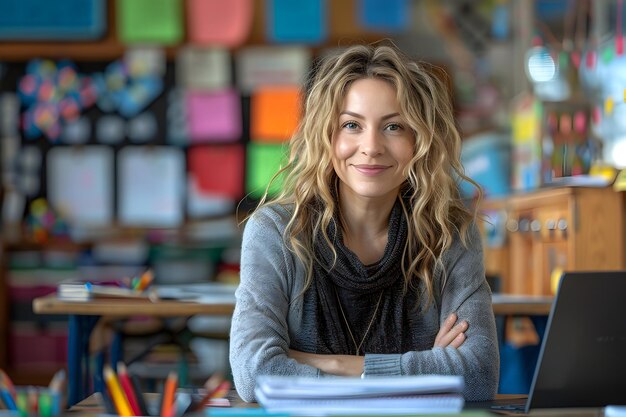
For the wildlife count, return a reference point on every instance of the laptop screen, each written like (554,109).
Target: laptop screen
(582,362)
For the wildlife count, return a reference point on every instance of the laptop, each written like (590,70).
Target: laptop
(582,361)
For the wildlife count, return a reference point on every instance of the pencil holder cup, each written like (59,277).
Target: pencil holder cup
(38,401)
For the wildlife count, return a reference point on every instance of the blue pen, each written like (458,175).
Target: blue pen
(8,399)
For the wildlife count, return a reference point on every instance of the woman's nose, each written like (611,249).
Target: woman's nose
(372,143)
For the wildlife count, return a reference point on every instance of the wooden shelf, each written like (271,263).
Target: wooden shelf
(552,230)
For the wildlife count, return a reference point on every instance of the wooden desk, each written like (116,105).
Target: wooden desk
(93,405)
(50,304)
(521,305)
(83,316)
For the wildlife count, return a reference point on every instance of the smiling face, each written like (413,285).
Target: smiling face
(373,143)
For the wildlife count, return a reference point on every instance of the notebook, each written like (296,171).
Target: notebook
(398,395)
(582,361)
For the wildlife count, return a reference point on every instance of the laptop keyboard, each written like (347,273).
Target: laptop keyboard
(509,408)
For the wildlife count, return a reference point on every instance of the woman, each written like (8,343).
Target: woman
(367,263)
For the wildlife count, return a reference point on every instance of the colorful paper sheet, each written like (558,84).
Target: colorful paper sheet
(219,22)
(80,183)
(218,170)
(150,21)
(274,114)
(53,20)
(151,185)
(384,15)
(203,68)
(271,65)
(301,21)
(214,116)
(263,162)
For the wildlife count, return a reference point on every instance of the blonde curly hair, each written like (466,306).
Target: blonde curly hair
(435,212)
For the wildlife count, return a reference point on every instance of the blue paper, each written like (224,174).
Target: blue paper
(301,21)
(386,15)
(52,20)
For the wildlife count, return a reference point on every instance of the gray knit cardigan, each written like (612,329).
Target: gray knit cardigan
(268,315)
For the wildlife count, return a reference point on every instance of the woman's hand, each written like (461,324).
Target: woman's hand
(343,365)
(451,334)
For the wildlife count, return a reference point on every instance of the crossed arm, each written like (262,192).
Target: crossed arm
(450,334)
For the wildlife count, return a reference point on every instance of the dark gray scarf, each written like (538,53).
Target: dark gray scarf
(360,288)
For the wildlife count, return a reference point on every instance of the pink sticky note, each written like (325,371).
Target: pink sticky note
(218,170)
(213,116)
(219,22)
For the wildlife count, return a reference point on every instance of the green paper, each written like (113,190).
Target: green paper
(263,162)
(150,21)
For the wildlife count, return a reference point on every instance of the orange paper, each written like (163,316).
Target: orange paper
(274,114)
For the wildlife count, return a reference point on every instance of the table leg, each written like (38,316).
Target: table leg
(79,330)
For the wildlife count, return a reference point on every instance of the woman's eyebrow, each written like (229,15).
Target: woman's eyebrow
(359,116)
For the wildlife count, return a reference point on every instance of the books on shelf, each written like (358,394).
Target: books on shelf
(302,396)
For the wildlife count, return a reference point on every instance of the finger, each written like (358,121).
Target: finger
(445,327)
(458,341)
(453,333)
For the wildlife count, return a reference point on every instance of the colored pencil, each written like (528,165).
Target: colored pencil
(169,390)
(210,386)
(116,392)
(57,388)
(57,381)
(44,405)
(141,401)
(127,386)
(145,280)
(33,400)
(6,382)
(8,399)
(221,390)
(108,403)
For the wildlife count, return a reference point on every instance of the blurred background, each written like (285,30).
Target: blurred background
(136,134)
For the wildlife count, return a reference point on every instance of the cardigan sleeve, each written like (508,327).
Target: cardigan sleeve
(466,292)
(259,338)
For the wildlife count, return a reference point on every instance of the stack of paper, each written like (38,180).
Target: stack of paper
(82,291)
(302,396)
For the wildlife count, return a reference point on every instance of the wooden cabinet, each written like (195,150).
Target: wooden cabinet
(530,237)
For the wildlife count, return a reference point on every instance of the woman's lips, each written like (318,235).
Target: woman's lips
(370,170)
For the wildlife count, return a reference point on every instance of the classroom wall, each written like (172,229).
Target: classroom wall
(136,134)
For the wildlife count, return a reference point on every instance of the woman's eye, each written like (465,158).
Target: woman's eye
(394,127)
(350,125)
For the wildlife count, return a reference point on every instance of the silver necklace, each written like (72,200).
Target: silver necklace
(358,347)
